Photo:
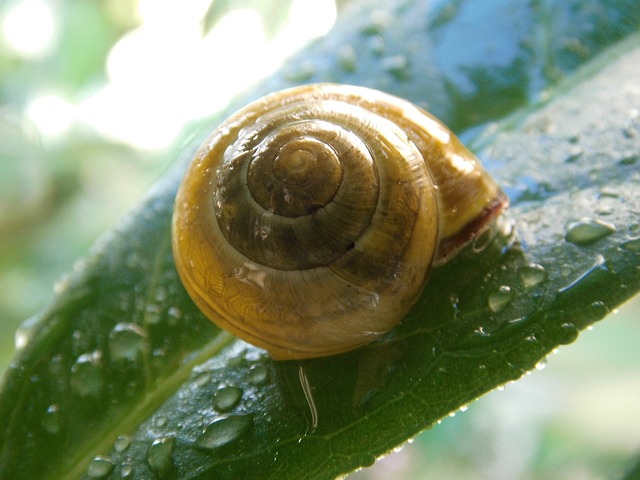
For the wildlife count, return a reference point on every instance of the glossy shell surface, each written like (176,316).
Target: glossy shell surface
(308,222)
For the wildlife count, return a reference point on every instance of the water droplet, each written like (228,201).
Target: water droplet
(202,378)
(126,470)
(369,459)
(24,333)
(302,73)
(398,66)
(237,360)
(79,265)
(133,261)
(587,231)
(378,21)
(629,160)
(347,58)
(599,309)
(122,443)
(566,270)
(62,284)
(608,193)
(152,314)
(160,295)
(126,341)
(633,244)
(51,421)
(87,377)
(574,154)
(160,421)
(377,45)
(227,398)
(500,299)
(541,364)
(160,457)
(532,275)
(258,375)
(223,431)
(100,467)
(568,333)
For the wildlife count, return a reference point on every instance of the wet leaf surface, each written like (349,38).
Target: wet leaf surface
(122,377)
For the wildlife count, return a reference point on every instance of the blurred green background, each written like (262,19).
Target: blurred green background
(94,94)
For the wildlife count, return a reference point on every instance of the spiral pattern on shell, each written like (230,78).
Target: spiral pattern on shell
(308,222)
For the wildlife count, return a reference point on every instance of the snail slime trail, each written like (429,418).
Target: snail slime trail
(331,203)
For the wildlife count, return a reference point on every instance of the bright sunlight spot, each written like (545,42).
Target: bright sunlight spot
(314,18)
(165,73)
(51,114)
(29,28)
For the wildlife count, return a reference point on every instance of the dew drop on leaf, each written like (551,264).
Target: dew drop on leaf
(160,456)
(202,378)
(87,376)
(175,312)
(24,333)
(152,314)
(126,341)
(303,72)
(633,244)
(397,66)
(227,398)
(377,45)
(348,58)
(600,309)
(369,459)
(160,295)
(566,270)
(126,470)
(122,443)
(257,375)
(569,333)
(587,231)
(51,421)
(500,298)
(532,275)
(100,467)
(223,431)
(160,421)
(379,20)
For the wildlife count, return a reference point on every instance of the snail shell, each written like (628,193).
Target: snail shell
(308,222)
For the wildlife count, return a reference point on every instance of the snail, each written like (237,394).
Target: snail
(309,220)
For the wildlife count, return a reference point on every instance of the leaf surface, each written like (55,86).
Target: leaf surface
(122,377)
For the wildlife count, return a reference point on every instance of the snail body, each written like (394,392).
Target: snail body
(308,222)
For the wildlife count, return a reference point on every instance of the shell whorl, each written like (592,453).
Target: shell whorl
(308,222)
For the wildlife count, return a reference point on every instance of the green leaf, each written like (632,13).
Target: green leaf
(122,377)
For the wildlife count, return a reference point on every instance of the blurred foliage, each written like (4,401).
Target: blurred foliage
(274,12)
(52,204)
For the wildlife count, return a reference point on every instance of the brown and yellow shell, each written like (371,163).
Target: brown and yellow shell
(308,222)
